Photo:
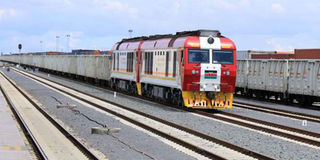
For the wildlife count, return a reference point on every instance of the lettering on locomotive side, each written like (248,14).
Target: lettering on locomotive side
(218,103)
(222,101)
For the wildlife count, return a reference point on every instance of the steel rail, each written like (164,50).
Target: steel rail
(188,130)
(68,135)
(313,134)
(35,145)
(265,129)
(281,112)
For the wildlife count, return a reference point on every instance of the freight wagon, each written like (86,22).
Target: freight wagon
(297,54)
(85,52)
(285,80)
(252,54)
(85,66)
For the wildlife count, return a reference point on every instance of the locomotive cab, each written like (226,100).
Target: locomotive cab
(210,72)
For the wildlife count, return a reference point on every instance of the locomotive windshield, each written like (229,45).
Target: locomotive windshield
(198,56)
(223,57)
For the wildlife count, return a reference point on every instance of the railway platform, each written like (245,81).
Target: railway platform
(12,144)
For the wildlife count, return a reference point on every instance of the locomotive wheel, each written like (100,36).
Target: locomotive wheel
(301,100)
(134,89)
(308,101)
(180,100)
(168,97)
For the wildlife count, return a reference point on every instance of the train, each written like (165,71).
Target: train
(290,77)
(311,53)
(193,69)
(287,80)
(73,52)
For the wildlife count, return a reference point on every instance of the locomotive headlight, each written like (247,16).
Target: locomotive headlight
(203,86)
(210,40)
(227,73)
(194,71)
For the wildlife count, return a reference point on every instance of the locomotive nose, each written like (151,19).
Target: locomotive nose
(210,95)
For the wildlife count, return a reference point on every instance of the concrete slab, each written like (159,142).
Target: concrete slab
(12,145)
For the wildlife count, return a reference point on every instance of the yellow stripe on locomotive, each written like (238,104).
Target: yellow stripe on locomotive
(201,101)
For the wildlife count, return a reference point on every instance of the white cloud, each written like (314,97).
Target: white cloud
(7,13)
(53,2)
(231,5)
(278,45)
(313,7)
(113,5)
(277,7)
(289,42)
(177,5)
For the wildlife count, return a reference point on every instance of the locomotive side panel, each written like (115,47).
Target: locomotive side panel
(123,66)
(160,68)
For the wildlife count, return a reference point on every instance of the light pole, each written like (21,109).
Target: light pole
(68,41)
(57,43)
(130,32)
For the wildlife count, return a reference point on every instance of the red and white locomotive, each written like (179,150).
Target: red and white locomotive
(196,69)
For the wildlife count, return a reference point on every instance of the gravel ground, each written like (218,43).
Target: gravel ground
(295,123)
(265,144)
(279,106)
(110,146)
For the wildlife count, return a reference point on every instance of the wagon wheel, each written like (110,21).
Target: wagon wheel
(180,100)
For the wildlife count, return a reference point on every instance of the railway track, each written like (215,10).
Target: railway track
(48,138)
(198,142)
(292,134)
(280,112)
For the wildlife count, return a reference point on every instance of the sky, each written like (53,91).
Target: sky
(98,24)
